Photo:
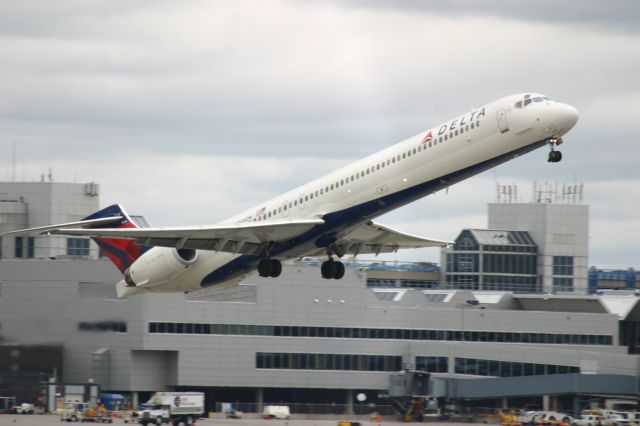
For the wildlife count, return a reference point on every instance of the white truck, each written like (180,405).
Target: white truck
(172,407)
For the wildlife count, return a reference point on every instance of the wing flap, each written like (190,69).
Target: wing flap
(373,238)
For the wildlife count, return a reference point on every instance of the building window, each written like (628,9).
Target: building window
(482,367)
(343,362)
(31,247)
(18,246)
(77,247)
(563,265)
(562,284)
(432,364)
(377,333)
(117,326)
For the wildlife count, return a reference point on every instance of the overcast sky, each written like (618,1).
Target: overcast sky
(190,111)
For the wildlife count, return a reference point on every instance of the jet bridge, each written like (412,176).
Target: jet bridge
(408,392)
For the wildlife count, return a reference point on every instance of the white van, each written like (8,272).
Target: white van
(276,412)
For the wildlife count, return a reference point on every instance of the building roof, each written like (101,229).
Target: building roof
(502,237)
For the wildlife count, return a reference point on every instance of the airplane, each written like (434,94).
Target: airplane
(331,216)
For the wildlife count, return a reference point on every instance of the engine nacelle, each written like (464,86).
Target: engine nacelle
(159,265)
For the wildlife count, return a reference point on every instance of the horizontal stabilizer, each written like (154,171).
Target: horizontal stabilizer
(51,229)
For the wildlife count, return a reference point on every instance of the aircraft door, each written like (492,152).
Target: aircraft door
(502,121)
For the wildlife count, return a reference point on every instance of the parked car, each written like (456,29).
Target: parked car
(589,420)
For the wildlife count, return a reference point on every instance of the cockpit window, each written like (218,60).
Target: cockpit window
(528,100)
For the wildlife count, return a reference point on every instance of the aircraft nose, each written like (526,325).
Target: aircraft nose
(567,116)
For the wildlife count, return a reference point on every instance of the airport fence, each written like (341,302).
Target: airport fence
(311,409)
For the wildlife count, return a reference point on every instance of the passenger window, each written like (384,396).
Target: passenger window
(404,155)
(352,178)
(456,133)
(342,182)
(467,128)
(446,137)
(393,160)
(429,144)
(378,167)
(414,150)
(472,126)
(295,203)
(306,198)
(398,157)
(331,187)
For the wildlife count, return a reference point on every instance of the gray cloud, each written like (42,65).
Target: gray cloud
(116,92)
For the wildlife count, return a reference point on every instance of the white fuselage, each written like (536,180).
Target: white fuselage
(395,176)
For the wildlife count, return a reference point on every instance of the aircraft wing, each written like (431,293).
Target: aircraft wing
(243,238)
(373,238)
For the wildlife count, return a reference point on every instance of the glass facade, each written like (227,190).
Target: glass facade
(432,364)
(485,367)
(344,362)
(507,262)
(378,333)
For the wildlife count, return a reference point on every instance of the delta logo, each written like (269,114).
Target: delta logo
(428,138)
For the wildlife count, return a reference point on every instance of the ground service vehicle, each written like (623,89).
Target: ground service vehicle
(73,411)
(276,412)
(172,407)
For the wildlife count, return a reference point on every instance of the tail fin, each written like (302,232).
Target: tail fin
(121,252)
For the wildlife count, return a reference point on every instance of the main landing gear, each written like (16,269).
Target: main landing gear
(554,156)
(269,268)
(332,268)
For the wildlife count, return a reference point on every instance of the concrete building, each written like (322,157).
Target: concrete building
(31,204)
(300,338)
(561,232)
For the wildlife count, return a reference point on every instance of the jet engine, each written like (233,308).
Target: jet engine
(159,265)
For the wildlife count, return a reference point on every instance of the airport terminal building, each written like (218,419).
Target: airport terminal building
(300,338)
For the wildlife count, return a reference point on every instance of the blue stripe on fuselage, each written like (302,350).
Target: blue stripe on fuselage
(336,222)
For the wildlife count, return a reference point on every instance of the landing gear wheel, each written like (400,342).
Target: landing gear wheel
(265,268)
(328,269)
(554,156)
(269,268)
(331,269)
(276,268)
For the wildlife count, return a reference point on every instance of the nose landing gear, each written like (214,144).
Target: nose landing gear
(554,156)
